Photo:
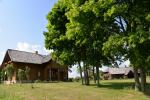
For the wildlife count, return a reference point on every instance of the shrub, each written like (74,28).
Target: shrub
(70,79)
(9,71)
(21,74)
(37,81)
(2,74)
(77,79)
(27,71)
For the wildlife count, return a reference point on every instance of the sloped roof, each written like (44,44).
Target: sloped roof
(124,71)
(27,57)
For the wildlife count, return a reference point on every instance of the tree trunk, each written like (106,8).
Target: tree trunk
(94,78)
(86,77)
(143,79)
(81,73)
(136,78)
(88,81)
(97,75)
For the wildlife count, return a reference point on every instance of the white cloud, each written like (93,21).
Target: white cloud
(24,46)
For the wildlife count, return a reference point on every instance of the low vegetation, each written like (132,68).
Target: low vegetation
(108,90)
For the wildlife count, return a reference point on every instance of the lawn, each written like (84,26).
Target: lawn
(109,90)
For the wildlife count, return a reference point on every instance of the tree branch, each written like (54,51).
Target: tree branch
(121,24)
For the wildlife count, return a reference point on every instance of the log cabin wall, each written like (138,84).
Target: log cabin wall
(36,71)
(51,71)
(55,71)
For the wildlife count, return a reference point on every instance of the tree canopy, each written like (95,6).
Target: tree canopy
(99,32)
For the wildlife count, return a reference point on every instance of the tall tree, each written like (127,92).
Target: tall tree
(65,51)
(133,39)
(88,29)
(77,31)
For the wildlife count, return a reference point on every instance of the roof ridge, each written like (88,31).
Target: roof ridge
(25,52)
(29,57)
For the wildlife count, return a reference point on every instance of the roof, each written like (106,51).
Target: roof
(124,71)
(27,57)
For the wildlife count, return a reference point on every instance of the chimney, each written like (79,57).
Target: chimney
(36,52)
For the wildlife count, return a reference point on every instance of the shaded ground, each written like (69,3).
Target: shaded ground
(108,90)
(122,84)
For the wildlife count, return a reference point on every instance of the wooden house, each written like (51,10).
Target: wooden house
(42,67)
(112,73)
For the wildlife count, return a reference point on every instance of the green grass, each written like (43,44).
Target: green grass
(109,90)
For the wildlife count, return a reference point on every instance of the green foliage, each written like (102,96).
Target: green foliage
(21,74)
(2,74)
(27,72)
(9,69)
(132,43)
(99,32)
(81,34)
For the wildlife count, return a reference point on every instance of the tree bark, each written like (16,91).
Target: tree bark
(81,73)
(94,78)
(97,75)
(86,77)
(88,81)
(143,79)
(136,78)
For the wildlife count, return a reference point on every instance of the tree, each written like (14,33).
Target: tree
(87,29)
(76,33)
(9,69)
(56,38)
(133,39)
(98,32)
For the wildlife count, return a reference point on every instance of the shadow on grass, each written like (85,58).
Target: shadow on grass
(121,85)
(147,92)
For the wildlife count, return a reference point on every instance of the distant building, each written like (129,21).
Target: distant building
(42,67)
(112,73)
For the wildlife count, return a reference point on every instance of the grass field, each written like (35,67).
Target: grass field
(109,90)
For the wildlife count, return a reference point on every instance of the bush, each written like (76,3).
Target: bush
(21,74)
(77,79)
(70,79)
(27,72)
(37,81)
(9,71)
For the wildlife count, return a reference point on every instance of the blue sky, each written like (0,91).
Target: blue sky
(22,23)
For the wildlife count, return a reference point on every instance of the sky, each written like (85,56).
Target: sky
(22,23)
